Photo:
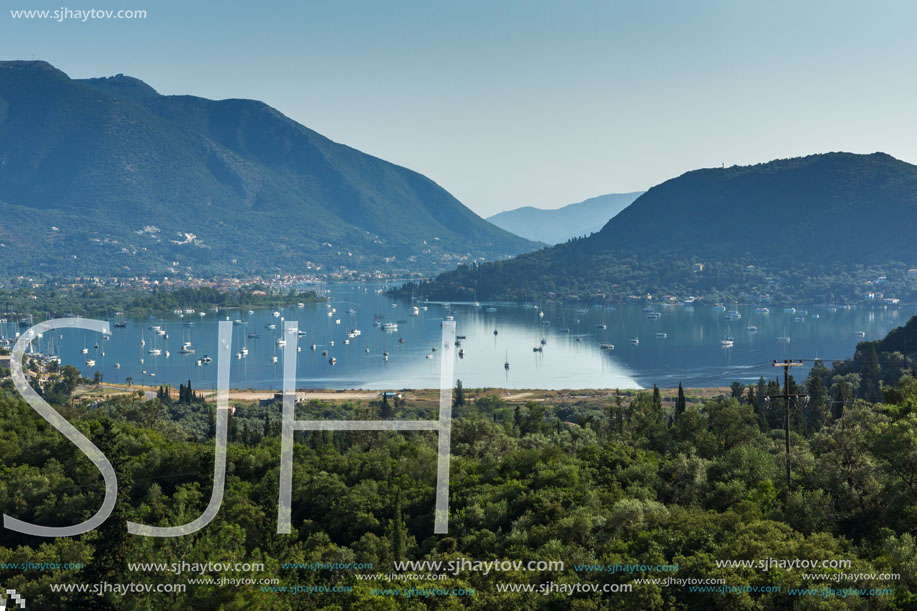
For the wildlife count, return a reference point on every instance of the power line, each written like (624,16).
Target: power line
(702,378)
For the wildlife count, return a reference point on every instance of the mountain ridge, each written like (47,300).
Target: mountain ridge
(818,228)
(231,172)
(784,199)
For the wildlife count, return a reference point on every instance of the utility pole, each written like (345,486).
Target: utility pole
(786,417)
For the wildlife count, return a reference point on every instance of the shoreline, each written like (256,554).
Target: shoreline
(513,395)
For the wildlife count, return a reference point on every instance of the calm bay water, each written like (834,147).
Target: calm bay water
(690,350)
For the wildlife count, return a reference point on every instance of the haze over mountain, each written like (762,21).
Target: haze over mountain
(752,227)
(106,175)
(561,224)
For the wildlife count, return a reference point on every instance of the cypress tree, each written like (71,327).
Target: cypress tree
(761,393)
(869,380)
(458,398)
(232,429)
(735,390)
(681,403)
(385,409)
(818,399)
(840,399)
(398,535)
(211,423)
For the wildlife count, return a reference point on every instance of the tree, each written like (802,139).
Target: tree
(730,423)
(458,396)
(614,415)
(819,370)
(129,380)
(758,402)
(657,398)
(112,541)
(398,534)
(818,404)
(97,378)
(212,421)
(648,421)
(681,403)
(70,377)
(186,394)
(773,408)
(896,444)
(870,381)
(736,389)
(232,428)
(385,408)
(903,396)
(840,398)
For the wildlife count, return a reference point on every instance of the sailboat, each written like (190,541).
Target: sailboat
(728,341)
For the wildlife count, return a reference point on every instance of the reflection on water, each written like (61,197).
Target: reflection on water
(544,345)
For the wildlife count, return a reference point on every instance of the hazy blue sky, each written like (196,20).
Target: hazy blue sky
(507,103)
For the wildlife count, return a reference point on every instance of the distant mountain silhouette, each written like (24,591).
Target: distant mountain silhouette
(561,224)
